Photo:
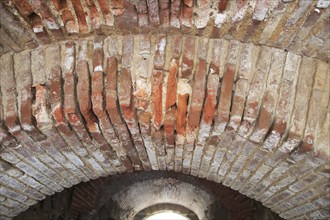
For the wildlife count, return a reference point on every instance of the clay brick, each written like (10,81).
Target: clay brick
(172,84)
(24,80)
(125,95)
(117,3)
(181,117)
(111,90)
(128,43)
(188,57)
(270,98)
(114,113)
(186,15)
(299,114)
(175,13)
(260,10)
(257,89)
(93,15)
(222,115)
(141,7)
(194,115)
(125,88)
(144,122)
(126,17)
(105,8)
(176,45)
(70,25)
(157,92)
(164,4)
(57,112)
(79,10)
(143,20)
(164,18)
(159,143)
(198,95)
(153,11)
(284,106)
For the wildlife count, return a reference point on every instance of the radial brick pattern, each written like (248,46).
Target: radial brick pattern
(234,92)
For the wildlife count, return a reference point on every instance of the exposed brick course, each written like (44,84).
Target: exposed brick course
(161,93)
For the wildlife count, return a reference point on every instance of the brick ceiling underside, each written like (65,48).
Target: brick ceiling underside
(237,93)
(117,196)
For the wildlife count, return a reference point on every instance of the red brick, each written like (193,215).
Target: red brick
(125,96)
(211,97)
(153,11)
(169,126)
(114,113)
(198,95)
(24,83)
(125,88)
(24,7)
(188,57)
(105,8)
(69,22)
(117,3)
(256,90)
(175,13)
(157,94)
(111,90)
(39,29)
(126,18)
(60,4)
(141,7)
(172,84)
(222,5)
(222,115)
(93,14)
(144,122)
(128,44)
(189,3)
(164,4)
(164,18)
(181,114)
(78,8)
(176,44)
(186,15)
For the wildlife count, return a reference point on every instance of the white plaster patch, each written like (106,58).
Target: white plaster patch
(98,68)
(69,58)
(98,45)
(220,18)
(27,127)
(183,87)
(51,24)
(161,45)
(38,29)
(323,3)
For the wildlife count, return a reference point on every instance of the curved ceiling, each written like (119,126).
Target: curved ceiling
(236,92)
(138,195)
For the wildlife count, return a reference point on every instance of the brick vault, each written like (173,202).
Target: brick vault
(202,107)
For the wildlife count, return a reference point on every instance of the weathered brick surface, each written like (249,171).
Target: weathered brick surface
(253,118)
(284,24)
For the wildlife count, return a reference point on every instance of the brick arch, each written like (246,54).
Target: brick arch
(197,99)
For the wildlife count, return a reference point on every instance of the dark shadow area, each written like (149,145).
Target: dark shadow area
(95,199)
